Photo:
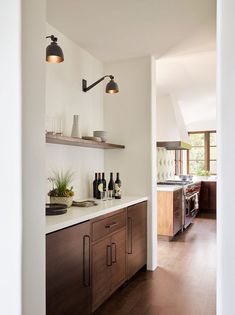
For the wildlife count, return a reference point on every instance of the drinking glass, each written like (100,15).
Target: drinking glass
(103,195)
(110,194)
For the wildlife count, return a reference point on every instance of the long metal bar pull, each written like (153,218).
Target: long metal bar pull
(129,235)
(111,225)
(114,257)
(109,255)
(86,265)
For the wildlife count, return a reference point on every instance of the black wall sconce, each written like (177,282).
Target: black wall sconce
(111,86)
(54,53)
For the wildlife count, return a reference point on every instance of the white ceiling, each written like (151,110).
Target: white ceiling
(113,30)
(191,79)
(179,33)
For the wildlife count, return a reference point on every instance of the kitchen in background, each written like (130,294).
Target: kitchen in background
(186,142)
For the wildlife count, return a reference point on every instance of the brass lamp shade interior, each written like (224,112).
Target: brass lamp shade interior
(112,87)
(54,53)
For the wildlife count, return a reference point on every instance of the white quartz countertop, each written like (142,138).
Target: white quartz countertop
(168,187)
(196,179)
(205,178)
(77,215)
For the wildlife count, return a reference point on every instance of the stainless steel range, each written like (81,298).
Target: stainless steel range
(191,194)
(190,200)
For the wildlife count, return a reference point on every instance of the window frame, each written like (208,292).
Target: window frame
(206,147)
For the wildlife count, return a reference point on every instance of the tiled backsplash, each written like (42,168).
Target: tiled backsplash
(165,164)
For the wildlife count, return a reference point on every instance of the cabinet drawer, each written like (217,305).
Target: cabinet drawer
(106,226)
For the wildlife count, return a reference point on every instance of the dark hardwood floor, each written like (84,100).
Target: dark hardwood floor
(183,284)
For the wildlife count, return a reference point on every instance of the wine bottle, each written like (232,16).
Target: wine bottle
(111,184)
(117,187)
(95,186)
(99,186)
(104,182)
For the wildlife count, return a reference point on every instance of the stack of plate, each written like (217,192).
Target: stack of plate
(55,209)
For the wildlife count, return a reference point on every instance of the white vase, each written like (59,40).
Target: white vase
(75,129)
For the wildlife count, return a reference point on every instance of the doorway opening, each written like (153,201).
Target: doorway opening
(187,177)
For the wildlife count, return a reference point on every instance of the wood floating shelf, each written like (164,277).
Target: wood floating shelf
(81,142)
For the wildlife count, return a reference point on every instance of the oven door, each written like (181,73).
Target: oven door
(191,208)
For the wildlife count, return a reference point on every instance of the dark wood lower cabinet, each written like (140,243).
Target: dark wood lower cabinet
(136,238)
(68,280)
(86,263)
(207,201)
(118,270)
(101,272)
(108,266)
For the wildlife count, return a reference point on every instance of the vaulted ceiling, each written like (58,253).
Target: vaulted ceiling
(191,80)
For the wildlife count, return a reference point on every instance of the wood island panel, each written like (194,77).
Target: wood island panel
(169,212)
(165,213)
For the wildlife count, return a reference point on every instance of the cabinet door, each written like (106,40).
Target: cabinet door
(204,196)
(212,195)
(118,271)
(207,197)
(177,211)
(101,272)
(68,271)
(136,238)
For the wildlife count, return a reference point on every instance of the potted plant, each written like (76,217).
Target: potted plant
(204,173)
(61,192)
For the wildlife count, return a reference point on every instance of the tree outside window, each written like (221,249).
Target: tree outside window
(202,156)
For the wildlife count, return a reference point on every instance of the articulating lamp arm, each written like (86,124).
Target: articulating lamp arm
(86,88)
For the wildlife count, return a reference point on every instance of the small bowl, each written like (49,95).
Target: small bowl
(102,134)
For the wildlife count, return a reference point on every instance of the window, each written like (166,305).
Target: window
(202,156)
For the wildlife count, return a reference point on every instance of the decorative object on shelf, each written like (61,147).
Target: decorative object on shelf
(75,129)
(60,192)
(98,139)
(55,209)
(85,203)
(54,53)
(111,86)
(102,134)
(54,126)
(50,129)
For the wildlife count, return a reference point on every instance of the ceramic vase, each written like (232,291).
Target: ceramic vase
(75,129)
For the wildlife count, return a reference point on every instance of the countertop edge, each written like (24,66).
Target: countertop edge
(168,188)
(87,217)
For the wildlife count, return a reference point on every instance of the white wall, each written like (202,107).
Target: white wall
(202,125)
(10,158)
(128,120)
(191,79)
(170,122)
(64,98)
(33,155)
(226,157)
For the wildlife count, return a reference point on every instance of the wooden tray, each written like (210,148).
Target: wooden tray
(84,204)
